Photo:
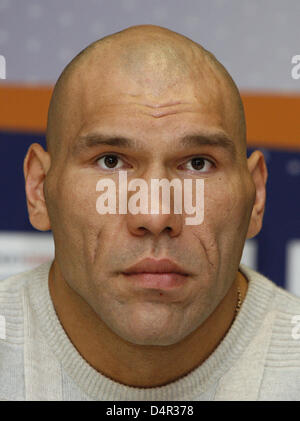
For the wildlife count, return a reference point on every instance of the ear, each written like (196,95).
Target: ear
(259,174)
(36,165)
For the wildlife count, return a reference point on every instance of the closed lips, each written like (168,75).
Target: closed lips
(150,265)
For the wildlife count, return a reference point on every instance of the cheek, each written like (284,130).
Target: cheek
(226,205)
(76,199)
(226,219)
(231,222)
(74,218)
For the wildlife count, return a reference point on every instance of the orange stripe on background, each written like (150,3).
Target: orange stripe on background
(272,120)
(24,108)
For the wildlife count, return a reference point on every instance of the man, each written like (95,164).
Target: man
(142,306)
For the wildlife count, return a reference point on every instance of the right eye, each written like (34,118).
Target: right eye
(109,162)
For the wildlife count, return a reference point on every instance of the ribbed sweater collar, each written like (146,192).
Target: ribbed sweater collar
(99,387)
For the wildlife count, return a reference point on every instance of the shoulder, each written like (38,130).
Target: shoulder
(15,283)
(11,309)
(12,337)
(284,346)
(282,300)
(12,292)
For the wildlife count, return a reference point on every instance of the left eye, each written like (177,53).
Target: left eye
(109,162)
(199,163)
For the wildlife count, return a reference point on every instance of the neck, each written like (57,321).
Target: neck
(138,365)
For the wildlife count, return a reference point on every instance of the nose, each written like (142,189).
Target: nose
(141,224)
(159,218)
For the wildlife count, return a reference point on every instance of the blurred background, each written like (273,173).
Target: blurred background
(258,42)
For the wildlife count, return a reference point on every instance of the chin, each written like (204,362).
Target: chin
(150,335)
(151,339)
(149,324)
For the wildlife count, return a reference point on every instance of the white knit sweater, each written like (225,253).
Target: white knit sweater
(259,358)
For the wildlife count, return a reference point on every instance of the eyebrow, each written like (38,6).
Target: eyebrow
(94,140)
(218,139)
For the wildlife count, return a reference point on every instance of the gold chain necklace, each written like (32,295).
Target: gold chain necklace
(239,302)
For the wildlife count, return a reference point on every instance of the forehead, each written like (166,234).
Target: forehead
(170,127)
(155,74)
(111,96)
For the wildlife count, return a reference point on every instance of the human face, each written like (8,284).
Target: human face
(94,251)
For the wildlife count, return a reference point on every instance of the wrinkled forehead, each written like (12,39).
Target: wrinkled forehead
(150,72)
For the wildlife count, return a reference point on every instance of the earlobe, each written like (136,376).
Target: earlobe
(259,174)
(36,165)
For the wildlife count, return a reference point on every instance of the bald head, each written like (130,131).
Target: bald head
(154,58)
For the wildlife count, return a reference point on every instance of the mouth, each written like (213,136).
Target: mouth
(156,274)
